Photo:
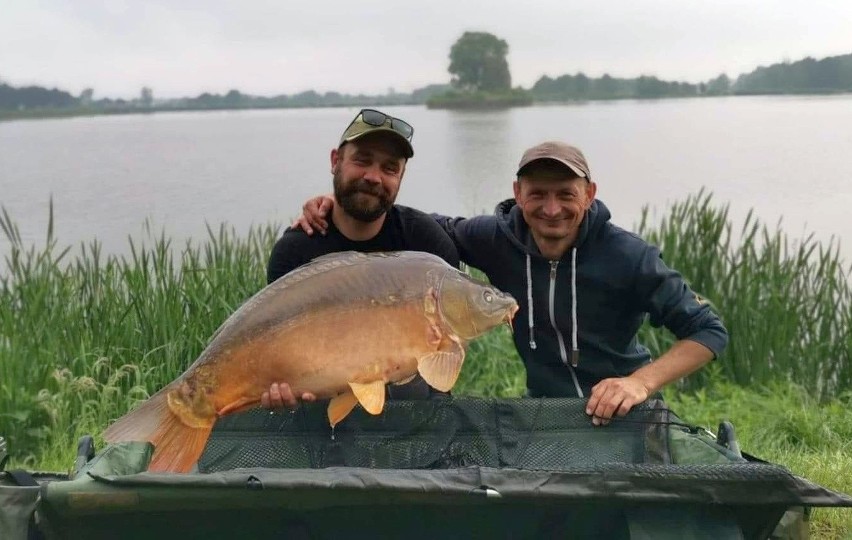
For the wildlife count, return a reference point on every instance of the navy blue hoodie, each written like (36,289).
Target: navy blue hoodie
(586,307)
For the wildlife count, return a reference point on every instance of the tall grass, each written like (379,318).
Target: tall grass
(82,339)
(787,306)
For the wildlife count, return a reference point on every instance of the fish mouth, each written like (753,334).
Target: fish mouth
(511,315)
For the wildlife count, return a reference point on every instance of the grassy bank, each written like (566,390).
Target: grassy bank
(84,337)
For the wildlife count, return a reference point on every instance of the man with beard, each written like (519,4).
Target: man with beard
(367,168)
(584,286)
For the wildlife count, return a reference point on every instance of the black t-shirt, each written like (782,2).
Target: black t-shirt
(404,229)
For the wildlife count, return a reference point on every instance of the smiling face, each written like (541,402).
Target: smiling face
(554,201)
(367,174)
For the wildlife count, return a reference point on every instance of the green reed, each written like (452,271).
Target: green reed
(787,305)
(84,338)
(84,335)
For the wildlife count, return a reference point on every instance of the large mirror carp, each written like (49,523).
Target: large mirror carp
(340,327)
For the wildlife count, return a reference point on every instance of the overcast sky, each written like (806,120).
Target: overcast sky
(270,47)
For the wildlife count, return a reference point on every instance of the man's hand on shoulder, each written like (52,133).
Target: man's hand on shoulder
(314,213)
(281,395)
(615,396)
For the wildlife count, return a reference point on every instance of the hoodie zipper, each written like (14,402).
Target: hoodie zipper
(562,351)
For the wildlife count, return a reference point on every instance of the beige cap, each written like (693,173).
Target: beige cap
(372,121)
(568,155)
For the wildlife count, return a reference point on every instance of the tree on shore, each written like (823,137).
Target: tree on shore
(478,63)
(146,97)
(719,86)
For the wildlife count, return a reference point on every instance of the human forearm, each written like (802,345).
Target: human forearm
(684,357)
(617,395)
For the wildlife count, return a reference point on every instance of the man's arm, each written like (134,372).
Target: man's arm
(314,215)
(421,233)
(664,295)
(473,237)
(617,395)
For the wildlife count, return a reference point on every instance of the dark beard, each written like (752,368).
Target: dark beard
(366,211)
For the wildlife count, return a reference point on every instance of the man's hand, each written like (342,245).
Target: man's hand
(313,215)
(619,395)
(280,395)
(615,396)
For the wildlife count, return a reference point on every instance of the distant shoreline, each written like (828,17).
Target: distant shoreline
(54,113)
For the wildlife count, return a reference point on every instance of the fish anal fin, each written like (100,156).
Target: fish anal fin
(370,395)
(177,446)
(340,406)
(241,404)
(441,369)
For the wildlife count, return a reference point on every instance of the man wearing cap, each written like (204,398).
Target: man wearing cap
(367,167)
(584,287)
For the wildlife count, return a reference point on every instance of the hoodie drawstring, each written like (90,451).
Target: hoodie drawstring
(575,349)
(530,305)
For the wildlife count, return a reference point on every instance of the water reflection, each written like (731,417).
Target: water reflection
(478,147)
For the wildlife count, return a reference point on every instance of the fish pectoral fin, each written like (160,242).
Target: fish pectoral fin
(340,406)
(441,368)
(370,395)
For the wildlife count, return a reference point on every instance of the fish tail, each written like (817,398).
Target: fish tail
(177,446)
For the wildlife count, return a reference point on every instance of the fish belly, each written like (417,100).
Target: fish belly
(324,351)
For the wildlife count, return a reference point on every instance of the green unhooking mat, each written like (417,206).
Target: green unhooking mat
(462,467)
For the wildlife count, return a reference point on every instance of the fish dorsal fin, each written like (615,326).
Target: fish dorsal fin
(344,256)
(320,265)
(340,406)
(441,368)
(370,395)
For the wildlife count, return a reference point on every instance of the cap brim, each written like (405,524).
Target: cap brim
(408,150)
(573,168)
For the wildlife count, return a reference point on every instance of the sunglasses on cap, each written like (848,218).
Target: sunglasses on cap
(376,118)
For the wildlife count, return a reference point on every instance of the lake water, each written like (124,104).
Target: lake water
(781,156)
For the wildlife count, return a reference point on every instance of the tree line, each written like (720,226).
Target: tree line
(38,98)
(807,76)
(477,64)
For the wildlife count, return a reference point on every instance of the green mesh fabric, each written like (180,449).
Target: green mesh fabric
(441,433)
(445,468)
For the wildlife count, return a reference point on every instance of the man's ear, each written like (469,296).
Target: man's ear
(516,187)
(336,156)
(591,190)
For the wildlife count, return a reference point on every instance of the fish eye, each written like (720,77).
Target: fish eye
(488,296)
